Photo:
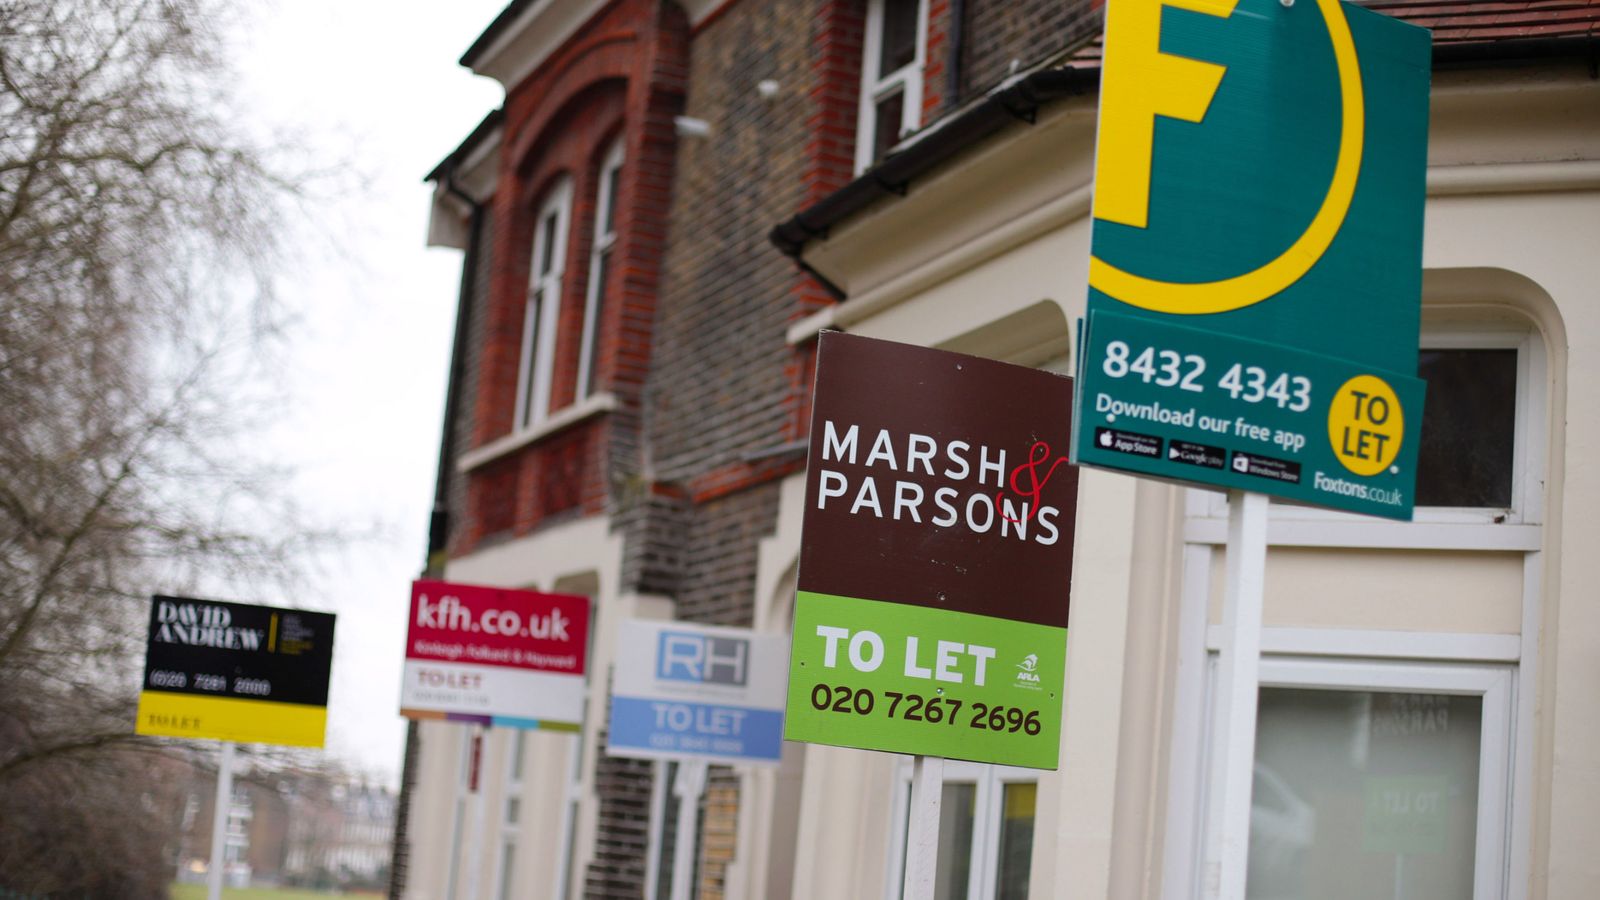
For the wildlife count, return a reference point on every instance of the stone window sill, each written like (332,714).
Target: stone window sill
(588,407)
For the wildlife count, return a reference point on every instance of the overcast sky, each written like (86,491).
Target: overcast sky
(377,83)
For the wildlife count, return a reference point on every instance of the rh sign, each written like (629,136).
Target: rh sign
(697,692)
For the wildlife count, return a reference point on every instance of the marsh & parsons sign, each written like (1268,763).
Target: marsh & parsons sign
(935,557)
(236,672)
(1255,285)
(687,692)
(495,656)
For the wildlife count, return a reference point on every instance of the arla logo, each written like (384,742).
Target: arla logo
(203,625)
(1028,672)
(703,659)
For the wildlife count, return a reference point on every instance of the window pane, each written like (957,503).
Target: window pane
(1359,794)
(513,810)
(886,124)
(957,806)
(506,859)
(1468,425)
(602,279)
(669,833)
(547,245)
(898,48)
(608,216)
(518,746)
(1016,840)
(531,349)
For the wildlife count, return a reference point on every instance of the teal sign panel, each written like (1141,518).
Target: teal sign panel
(1255,286)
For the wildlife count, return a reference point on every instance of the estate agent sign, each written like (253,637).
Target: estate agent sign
(235,672)
(1255,286)
(494,656)
(935,557)
(696,692)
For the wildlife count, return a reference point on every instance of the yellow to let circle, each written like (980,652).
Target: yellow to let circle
(1366,425)
(1204,298)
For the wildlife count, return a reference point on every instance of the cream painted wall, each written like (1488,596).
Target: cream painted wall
(1398,590)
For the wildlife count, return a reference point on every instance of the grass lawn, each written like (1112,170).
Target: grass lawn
(198,892)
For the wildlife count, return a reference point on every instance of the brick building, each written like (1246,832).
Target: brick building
(628,406)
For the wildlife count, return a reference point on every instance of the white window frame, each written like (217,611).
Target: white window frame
(510,827)
(1527,475)
(594,295)
(876,85)
(988,809)
(1492,683)
(1518,529)
(539,331)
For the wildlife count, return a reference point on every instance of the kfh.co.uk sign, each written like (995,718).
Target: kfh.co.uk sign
(495,656)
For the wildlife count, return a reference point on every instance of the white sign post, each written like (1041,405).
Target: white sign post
(1239,686)
(689,787)
(922,831)
(696,694)
(223,805)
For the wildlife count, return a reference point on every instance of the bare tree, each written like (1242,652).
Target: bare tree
(137,237)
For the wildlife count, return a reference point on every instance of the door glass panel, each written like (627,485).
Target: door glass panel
(1364,794)
(669,832)
(1017,802)
(958,804)
(1468,427)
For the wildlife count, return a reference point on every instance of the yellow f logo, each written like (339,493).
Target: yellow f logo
(1144,84)
(1138,83)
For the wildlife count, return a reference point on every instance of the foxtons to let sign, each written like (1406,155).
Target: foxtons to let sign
(1255,279)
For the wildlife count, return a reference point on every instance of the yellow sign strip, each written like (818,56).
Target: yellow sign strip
(165,714)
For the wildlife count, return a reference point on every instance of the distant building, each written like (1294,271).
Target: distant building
(292,827)
(629,405)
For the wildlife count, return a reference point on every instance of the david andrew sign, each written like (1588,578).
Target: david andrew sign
(688,692)
(495,656)
(1255,285)
(236,672)
(935,557)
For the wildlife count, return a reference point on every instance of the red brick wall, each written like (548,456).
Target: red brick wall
(999,32)
(622,75)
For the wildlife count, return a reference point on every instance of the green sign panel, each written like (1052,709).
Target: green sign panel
(1407,815)
(936,556)
(1255,285)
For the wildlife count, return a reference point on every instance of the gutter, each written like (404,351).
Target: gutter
(1022,98)
(1016,100)
(445,171)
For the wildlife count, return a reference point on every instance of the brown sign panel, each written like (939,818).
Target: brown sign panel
(939,480)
